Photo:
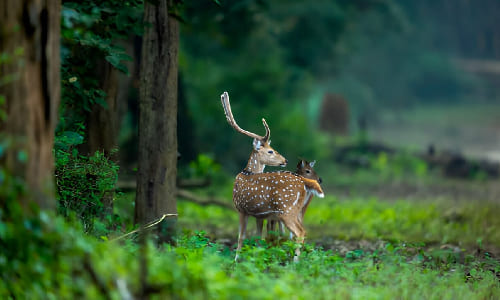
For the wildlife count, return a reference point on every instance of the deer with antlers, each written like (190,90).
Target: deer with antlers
(277,195)
(304,169)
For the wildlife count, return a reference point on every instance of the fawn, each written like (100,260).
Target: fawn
(304,169)
(278,195)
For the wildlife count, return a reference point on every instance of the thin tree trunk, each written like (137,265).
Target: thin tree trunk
(157,165)
(103,124)
(29,35)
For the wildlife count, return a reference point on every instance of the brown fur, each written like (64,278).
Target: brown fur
(304,169)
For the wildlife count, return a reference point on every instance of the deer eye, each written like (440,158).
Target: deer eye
(270,152)
(307,171)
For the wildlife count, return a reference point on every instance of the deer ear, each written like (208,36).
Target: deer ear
(257,144)
(312,163)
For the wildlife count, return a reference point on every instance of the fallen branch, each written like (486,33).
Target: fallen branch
(129,185)
(192,197)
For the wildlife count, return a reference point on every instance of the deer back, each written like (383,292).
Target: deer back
(273,193)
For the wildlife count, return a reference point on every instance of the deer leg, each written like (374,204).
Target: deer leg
(260,225)
(282,229)
(241,234)
(295,226)
(269,228)
(300,237)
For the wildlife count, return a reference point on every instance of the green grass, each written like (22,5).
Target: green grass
(357,248)
(403,220)
(426,221)
(45,258)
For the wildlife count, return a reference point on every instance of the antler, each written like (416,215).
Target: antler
(224,98)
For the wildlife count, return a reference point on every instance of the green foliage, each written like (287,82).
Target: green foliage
(83,183)
(43,257)
(39,255)
(203,166)
(270,71)
(398,165)
(91,33)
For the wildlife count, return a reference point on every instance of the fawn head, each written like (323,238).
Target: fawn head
(305,169)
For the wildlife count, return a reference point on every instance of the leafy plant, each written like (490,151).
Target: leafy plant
(203,166)
(83,183)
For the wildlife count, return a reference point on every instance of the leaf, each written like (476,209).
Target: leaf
(101,101)
(473,272)
(113,60)
(72,138)
(22,156)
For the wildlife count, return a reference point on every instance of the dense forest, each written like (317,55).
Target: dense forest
(127,172)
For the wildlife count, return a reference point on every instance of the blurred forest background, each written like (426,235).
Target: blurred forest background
(407,73)
(398,101)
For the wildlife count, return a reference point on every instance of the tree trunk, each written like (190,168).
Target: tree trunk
(103,122)
(157,161)
(29,35)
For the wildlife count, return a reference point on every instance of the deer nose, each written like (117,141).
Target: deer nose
(320,180)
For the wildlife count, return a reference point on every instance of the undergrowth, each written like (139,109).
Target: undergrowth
(55,260)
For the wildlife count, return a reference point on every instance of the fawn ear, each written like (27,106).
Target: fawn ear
(312,163)
(257,144)
(300,164)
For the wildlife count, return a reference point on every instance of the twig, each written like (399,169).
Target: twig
(151,224)
(123,289)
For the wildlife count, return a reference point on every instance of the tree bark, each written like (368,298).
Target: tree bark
(103,122)
(157,161)
(29,35)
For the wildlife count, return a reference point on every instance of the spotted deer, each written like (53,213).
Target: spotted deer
(278,195)
(304,169)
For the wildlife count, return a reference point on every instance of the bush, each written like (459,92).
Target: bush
(85,185)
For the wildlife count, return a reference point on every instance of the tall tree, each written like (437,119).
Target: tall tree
(157,163)
(30,83)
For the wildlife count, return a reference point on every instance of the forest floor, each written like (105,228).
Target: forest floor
(452,214)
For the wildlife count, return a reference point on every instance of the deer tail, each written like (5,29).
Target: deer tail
(314,187)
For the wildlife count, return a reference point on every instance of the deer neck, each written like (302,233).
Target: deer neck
(253,165)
